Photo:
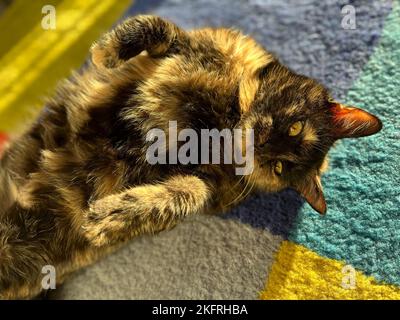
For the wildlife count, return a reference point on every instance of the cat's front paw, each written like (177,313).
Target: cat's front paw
(105,222)
(103,55)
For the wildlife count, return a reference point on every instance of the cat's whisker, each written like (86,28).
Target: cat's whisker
(250,190)
(238,198)
(251,180)
(237,183)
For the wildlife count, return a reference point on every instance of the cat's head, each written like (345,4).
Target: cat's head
(295,123)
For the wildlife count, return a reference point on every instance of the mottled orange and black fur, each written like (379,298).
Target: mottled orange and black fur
(77,184)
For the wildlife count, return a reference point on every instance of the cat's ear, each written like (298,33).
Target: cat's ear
(351,122)
(311,190)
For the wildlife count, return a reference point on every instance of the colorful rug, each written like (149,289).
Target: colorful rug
(272,246)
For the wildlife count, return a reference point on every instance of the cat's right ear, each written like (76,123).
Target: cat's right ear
(352,122)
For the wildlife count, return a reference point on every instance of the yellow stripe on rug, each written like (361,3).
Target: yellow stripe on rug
(15,24)
(33,65)
(299,273)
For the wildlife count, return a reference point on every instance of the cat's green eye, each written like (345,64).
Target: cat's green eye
(295,128)
(278,167)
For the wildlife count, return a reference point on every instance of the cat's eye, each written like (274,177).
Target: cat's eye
(295,128)
(278,167)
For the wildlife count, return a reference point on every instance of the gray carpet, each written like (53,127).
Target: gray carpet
(203,258)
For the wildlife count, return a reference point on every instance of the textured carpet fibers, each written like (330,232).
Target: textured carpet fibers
(233,257)
(299,273)
(203,258)
(362,225)
(33,59)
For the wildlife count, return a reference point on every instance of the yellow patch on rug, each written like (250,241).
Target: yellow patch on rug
(36,58)
(299,273)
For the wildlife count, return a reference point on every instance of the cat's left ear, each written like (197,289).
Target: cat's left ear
(311,190)
(351,122)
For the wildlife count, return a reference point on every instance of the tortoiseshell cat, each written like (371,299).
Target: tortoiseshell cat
(77,184)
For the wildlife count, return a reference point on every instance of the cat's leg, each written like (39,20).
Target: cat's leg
(134,35)
(145,209)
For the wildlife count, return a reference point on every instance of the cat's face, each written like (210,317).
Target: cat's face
(295,123)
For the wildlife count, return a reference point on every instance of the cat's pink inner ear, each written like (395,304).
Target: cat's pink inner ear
(311,190)
(351,122)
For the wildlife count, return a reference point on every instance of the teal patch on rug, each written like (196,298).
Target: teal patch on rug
(362,225)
